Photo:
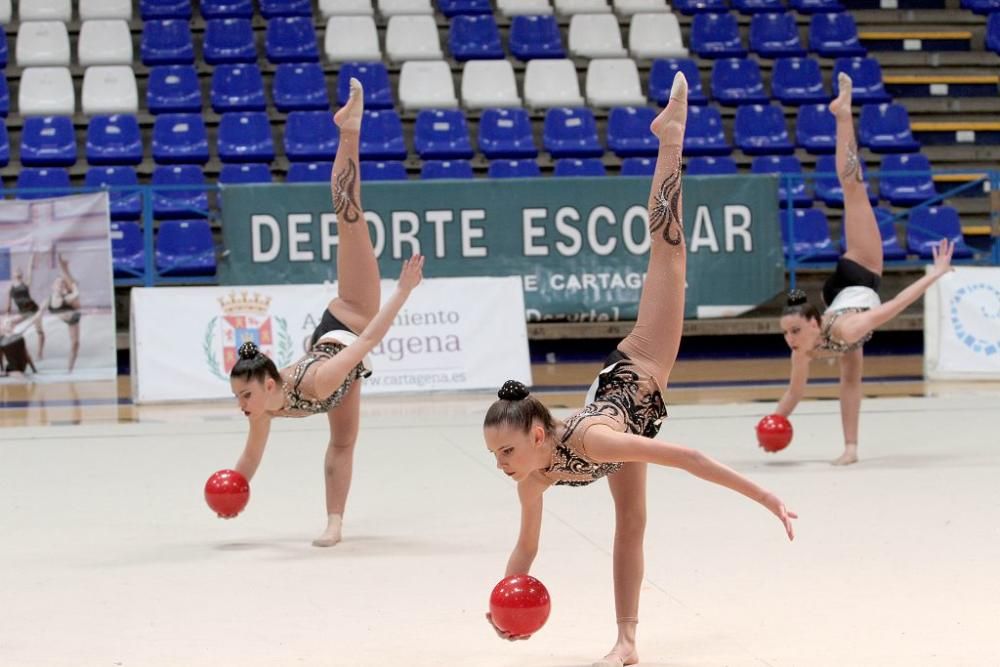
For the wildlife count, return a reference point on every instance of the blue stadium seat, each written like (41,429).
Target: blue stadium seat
(716,36)
(247,172)
(300,87)
(291,39)
(245,137)
(436,169)
(571,132)
(309,172)
(382,136)
(237,88)
(229,41)
(226,9)
(812,235)
(815,6)
(54,179)
(758,6)
(166,43)
(456,7)
(173,89)
(474,38)
(526,168)
(180,138)
(906,189)
(866,80)
(775,36)
(127,250)
(535,37)
(178,203)
(571,166)
(4,146)
(828,186)
(760,129)
(834,36)
(3,49)
(628,131)
(388,170)
(164,9)
(885,128)
(891,250)
(704,134)
(993,32)
(441,134)
(798,81)
(271,8)
(311,136)
(374,78)
(690,7)
(125,205)
(782,165)
(638,166)
(737,81)
(928,225)
(48,141)
(987,7)
(707,165)
(185,248)
(4,96)
(816,129)
(114,140)
(661,78)
(506,133)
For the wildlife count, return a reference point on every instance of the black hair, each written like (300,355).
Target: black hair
(517,408)
(797,303)
(254,365)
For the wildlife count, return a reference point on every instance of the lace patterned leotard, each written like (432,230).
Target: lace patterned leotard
(627,400)
(298,404)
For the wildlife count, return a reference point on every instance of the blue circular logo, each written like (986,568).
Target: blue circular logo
(975,317)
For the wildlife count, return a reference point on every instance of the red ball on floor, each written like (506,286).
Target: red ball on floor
(774,432)
(227,493)
(520,604)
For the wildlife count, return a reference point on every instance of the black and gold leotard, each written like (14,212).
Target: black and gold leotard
(298,404)
(627,400)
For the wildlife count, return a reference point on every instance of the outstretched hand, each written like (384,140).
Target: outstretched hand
(778,509)
(412,273)
(505,635)
(942,256)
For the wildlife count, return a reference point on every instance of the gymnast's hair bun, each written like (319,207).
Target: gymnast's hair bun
(248,350)
(512,390)
(797,298)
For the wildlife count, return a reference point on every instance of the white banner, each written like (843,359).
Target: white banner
(57,322)
(452,334)
(962,325)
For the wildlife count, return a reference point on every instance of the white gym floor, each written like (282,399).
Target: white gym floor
(110,556)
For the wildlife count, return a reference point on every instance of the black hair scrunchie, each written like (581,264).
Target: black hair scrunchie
(512,390)
(248,350)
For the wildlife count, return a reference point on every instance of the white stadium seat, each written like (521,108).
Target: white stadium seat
(42,43)
(426,84)
(655,36)
(328,8)
(412,38)
(45,10)
(109,89)
(105,9)
(46,91)
(614,82)
(595,36)
(489,83)
(104,42)
(551,83)
(351,38)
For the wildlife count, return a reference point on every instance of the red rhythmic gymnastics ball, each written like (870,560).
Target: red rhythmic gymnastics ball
(520,604)
(774,432)
(227,493)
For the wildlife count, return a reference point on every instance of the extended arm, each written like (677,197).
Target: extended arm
(529,492)
(249,460)
(796,384)
(606,445)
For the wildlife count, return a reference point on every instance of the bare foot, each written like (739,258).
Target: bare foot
(348,117)
(669,125)
(842,105)
(849,456)
(620,656)
(331,535)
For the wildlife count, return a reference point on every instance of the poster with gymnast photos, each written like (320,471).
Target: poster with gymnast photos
(57,319)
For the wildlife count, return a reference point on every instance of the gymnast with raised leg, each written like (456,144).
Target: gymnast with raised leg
(853,308)
(20,297)
(614,434)
(327,379)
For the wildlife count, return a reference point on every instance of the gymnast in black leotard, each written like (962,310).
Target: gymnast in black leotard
(19,297)
(613,435)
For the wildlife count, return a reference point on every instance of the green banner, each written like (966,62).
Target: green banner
(579,244)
